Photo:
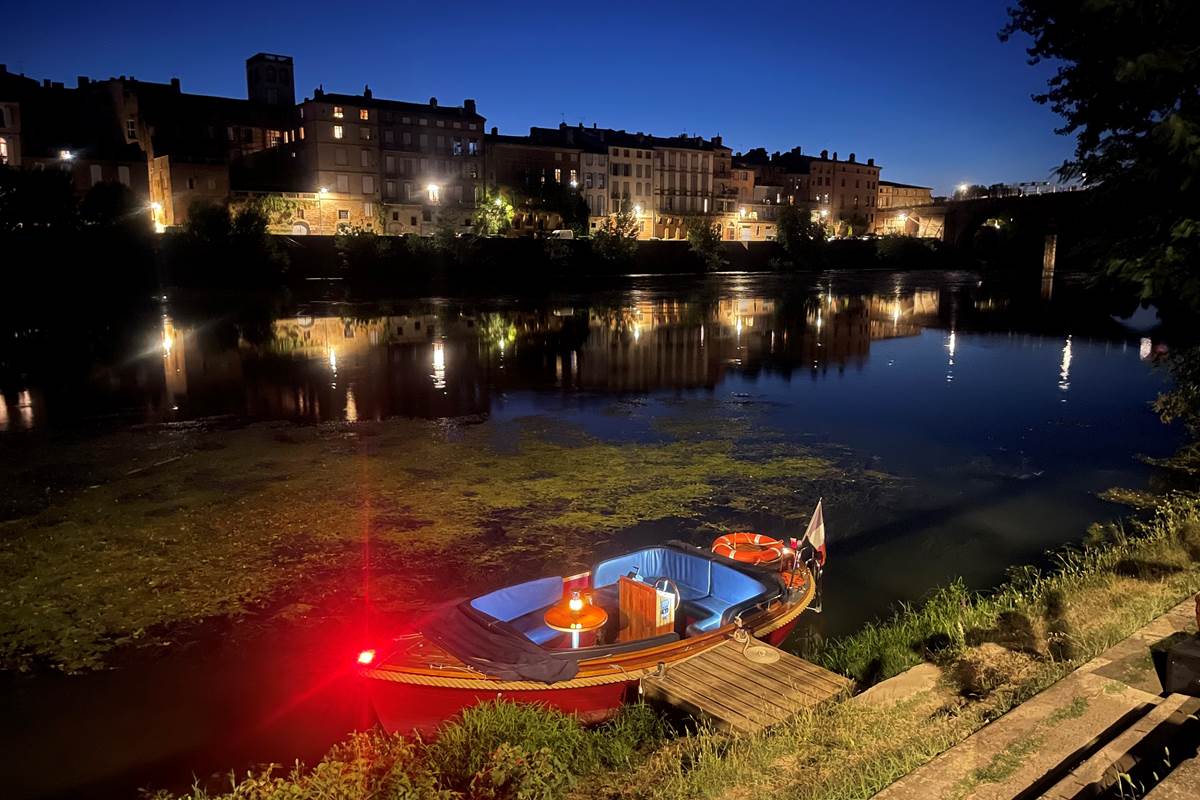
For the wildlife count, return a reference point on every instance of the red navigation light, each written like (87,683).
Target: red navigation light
(366,657)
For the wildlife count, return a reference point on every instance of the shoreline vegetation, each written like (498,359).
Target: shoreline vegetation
(994,650)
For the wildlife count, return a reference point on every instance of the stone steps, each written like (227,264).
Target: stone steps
(1145,738)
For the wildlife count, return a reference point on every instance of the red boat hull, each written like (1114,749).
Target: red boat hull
(407,708)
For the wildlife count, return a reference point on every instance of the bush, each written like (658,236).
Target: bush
(1189,537)
(975,677)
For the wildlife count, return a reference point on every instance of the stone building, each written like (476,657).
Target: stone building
(543,175)
(389,165)
(10,134)
(903,195)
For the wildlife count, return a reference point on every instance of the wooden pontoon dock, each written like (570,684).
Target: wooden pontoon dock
(744,686)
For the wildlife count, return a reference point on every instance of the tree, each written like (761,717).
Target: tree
(36,199)
(704,240)
(799,235)
(109,204)
(1127,85)
(493,215)
(616,239)
(226,248)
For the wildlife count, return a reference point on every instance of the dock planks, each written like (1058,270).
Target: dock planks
(737,694)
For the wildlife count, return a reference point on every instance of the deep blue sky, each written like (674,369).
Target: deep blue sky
(924,87)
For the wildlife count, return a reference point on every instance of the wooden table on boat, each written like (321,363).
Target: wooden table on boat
(562,618)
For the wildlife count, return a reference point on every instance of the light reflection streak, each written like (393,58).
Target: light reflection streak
(1064,370)
(439,365)
(951,346)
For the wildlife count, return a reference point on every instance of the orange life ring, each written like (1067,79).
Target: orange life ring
(751,548)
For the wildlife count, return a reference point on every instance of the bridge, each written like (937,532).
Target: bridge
(957,221)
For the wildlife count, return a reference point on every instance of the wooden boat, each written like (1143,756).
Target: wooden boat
(662,604)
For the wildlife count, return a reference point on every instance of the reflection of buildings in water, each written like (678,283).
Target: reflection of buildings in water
(448,364)
(17,411)
(673,345)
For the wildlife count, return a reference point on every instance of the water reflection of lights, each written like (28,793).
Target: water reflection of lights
(702,336)
(820,322)
(351,406)
(1144,348)
(637,331)
(333,359)
(439,365)
(951,345)
(738,327)
(1064,370)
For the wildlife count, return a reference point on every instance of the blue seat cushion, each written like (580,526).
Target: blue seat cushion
(533,626)
(516,601)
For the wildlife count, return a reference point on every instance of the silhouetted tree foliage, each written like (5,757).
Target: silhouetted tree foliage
(802,239)
(616,239)
(219,248)
(704,241)
(1127,84)
(36,199)
(110,205)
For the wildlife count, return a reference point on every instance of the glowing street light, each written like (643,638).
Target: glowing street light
(962,189)
(66,155)
(434,191)
(637,211)
(322,191)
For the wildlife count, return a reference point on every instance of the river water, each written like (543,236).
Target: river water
(981,417)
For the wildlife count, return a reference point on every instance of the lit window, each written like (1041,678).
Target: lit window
(557,175)
(338,113)
(343,213)
(131,128)
(337,132)
(364,114)
(3,150)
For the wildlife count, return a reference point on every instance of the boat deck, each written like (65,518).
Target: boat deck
(725,686)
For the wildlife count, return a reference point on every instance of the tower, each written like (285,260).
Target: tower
(270,80)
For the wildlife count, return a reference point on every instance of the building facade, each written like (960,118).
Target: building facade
(388,165)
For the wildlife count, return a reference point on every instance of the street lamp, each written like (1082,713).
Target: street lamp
(66,155)
(434,191)
(962,190)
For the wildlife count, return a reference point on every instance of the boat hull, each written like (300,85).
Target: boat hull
(408,708)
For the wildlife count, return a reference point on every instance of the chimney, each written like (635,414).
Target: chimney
(852,158)
(469,105)
(80,82)
(175,85)
(870,162)
(45,83)
(433,102)
(495,130)
(716,141)
(319,91)
(824,155)
(835,155)
(367,92)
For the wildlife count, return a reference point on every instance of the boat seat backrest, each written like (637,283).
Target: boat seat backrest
(732,586)
(514,601)
(658,562)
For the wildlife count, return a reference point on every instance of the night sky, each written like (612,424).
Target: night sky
(925,88)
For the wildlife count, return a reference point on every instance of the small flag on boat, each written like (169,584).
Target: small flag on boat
(815,535)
